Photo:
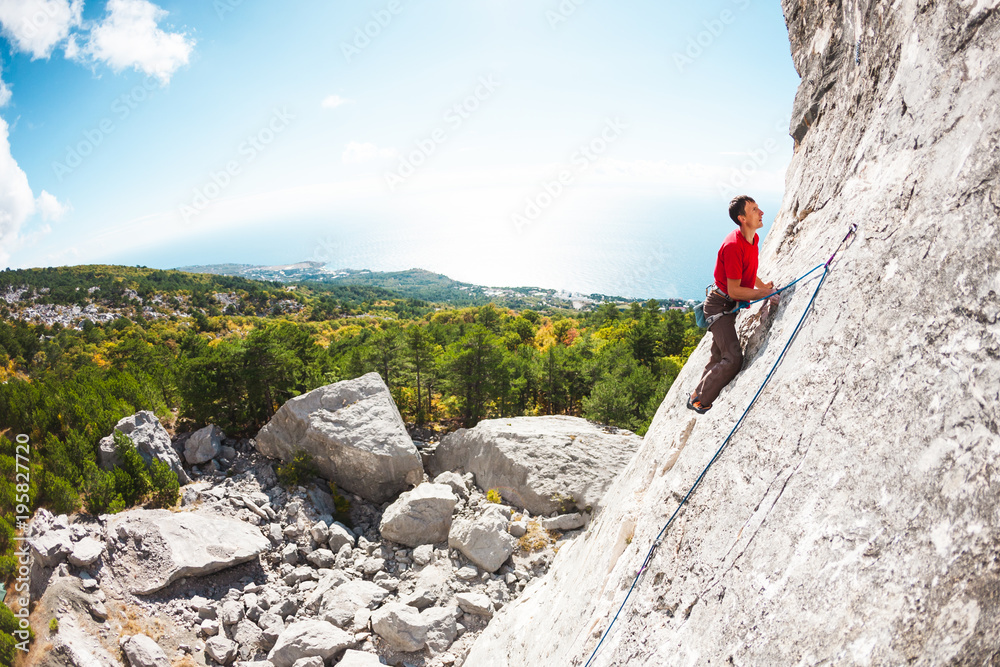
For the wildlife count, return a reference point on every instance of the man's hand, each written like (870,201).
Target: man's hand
(740,293)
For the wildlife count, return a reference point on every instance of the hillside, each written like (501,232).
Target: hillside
(421,284)
(853,518)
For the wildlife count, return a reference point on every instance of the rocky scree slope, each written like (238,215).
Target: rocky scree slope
(853,518)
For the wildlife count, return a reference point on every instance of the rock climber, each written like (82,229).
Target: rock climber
(735,280)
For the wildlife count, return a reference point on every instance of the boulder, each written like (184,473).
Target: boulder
(420,516)
(51,547)
(540,464)
(203,445)
(152,548)
(85,552)
(354,433)
(142,651)
(407,630)
(151,440)
(339,605)
(308,638)
(484,540)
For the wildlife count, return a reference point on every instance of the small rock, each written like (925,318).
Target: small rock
(423,554)
(308,638)
(210,627)
(142,651)
(339,535)
(220,649)
(85,552)
(475,603)
(354,658)
(564,522)
(322,558)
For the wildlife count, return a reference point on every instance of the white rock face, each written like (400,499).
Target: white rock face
(354,433)
(151,440)
(485,540)
(153,548)
(531,459)
(308,638)
(407,630)
(852,519)
(142,651)
(420,516)
(203,445)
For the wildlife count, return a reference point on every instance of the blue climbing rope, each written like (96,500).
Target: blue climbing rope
(659,537)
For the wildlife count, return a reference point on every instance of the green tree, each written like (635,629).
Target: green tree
(420,347)
(472,364)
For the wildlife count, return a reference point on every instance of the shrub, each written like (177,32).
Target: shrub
(164,483)
(298,471)
(131,476)
(493,496)
(60,495)
(341,505)
(53,625)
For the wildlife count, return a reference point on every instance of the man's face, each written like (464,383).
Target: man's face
(752,216)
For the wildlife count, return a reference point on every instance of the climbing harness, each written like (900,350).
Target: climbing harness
(709,320)
(659,538)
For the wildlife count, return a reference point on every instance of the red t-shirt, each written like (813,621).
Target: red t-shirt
(737,260)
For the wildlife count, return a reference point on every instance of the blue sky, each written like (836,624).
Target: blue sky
(482,138)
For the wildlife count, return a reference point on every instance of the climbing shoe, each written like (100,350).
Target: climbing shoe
(694,404)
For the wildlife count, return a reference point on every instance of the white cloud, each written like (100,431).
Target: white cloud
(49,207)
(129,37)
(4,93)
(17,203)
(37,26)
(357,152)
(334,101)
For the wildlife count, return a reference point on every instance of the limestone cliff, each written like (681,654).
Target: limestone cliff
(854,518)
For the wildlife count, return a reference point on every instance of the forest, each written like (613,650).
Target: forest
(193,362)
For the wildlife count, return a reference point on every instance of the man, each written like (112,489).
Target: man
(735,280)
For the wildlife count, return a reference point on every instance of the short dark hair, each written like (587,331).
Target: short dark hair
(737,207)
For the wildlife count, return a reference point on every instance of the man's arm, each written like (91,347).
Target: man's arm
(740,293)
